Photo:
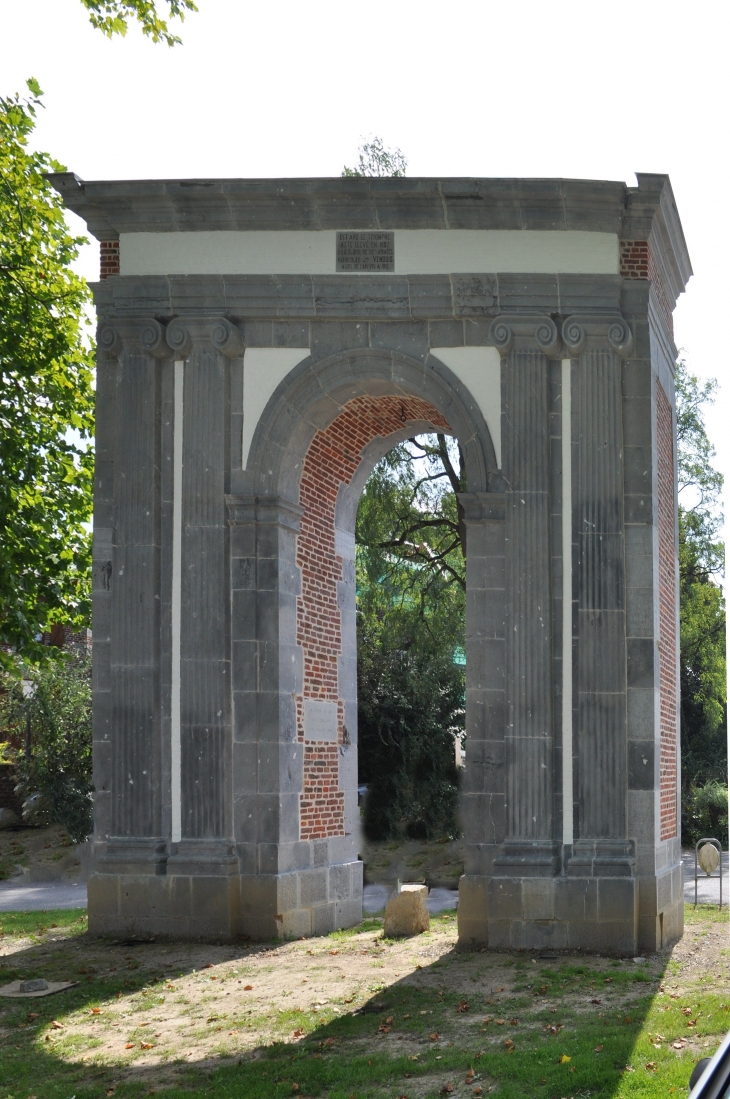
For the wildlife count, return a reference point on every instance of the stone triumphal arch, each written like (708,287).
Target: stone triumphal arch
(262,343)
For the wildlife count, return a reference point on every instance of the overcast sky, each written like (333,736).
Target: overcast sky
(582,90)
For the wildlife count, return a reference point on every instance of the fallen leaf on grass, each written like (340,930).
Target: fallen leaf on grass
(56,1025)
(298,1033)
(462,1006)
(434,1037)
(598,1049)
(510,1045)
(478,1090)
(247,988)
(96,1011)
(650,1066)
(514,1022)
(469,1078)
(563,1059)
(334,951)
(595,1001)
(146,1045)
(447,1089)
(129,1045)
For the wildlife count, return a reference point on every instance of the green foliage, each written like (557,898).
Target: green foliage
(46,398)
(58,766)
(375,159)
(411,599)
(702,613)
(112,17)
(704,812)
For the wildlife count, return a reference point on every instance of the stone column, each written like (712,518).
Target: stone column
(204,848)
(127,739)
(526,344)
(601,846)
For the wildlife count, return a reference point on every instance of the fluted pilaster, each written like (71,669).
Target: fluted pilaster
(600,748)
(205,345)
(526,344)
(127,714)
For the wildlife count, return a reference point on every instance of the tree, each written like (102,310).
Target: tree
(411,674)
(54,766)
(703,712)
(112,17)
(377,160)
(46,398)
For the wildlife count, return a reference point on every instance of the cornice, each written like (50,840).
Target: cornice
(110,208)
(652,215)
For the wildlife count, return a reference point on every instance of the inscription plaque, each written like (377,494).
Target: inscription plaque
(372,251)
(320,720)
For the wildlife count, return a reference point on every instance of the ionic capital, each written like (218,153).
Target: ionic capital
(186,333)
(583,331)
(526,333)
(143,334)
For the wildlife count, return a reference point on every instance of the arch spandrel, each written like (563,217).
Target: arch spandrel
(313,394)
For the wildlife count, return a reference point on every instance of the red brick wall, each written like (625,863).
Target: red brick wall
(109,258)
(667,619)
(637,262)
(332,459)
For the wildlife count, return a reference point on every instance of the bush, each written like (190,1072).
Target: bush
(704,813)
(56,773)
(410,708)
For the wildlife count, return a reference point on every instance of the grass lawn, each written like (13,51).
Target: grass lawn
(354,1015)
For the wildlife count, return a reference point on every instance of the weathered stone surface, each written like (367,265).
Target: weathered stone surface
(224,585)
(406,912)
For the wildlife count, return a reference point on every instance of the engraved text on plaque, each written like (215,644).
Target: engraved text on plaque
(365,251)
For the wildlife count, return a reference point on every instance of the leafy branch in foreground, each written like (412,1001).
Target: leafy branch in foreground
(46,398)
(112,17)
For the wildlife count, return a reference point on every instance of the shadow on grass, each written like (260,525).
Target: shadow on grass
(567,1026)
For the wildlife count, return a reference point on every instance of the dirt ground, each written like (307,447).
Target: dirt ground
(198,1005)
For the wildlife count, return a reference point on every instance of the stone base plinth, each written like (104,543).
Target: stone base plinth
(226,907)
(600,914)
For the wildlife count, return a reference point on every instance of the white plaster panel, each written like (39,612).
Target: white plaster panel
(263,369)
(320,720)
(480,370)
(417,252)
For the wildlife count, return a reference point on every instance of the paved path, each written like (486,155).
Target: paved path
(41,896)
(375,897)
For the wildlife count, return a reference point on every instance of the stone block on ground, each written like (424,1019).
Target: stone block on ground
(406,912)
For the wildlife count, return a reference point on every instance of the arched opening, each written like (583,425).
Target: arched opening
(337,463)
(323,432)
(411,606)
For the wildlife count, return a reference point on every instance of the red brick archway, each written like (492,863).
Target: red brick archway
(332,459)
